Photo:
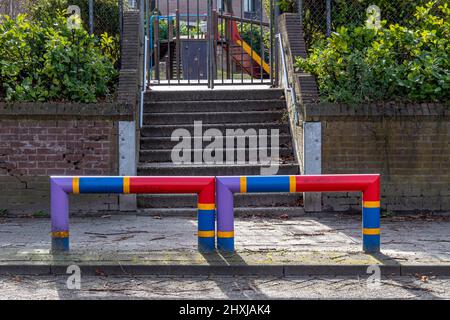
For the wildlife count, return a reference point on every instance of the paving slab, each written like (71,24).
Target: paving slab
(228,288)
(308,245)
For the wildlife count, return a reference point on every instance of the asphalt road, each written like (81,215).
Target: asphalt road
(223,287)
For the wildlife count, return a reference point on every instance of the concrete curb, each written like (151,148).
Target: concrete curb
(233,270)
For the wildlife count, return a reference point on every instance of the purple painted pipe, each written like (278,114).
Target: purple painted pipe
(225,188)
(59,208)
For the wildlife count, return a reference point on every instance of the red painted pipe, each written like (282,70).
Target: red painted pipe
(368,183)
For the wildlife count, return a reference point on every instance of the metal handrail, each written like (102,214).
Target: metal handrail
(287,86)
(144,85)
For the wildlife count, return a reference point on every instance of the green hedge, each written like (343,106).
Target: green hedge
(359,64)
(42,60)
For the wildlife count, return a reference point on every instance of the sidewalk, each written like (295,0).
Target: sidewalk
(308,245)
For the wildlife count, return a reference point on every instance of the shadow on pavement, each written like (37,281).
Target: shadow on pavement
(234,266)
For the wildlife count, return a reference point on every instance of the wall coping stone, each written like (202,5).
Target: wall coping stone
(70,110)
(322,111)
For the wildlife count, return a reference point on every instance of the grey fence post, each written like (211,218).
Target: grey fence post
(91,16)
(300,12)
(277,70)
(120,17)
(120,30)
(328,18)
(142,39)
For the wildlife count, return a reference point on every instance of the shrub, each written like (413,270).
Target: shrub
(106,13)
(359,64)
(106,20)
(41,62)
(110,48)
(286,6)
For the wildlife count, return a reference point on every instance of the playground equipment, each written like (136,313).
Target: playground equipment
(203,43)
(368,184)
(61,187)
(242,53)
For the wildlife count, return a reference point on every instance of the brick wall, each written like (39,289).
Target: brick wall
(39,140)
(51,147)
(409,145)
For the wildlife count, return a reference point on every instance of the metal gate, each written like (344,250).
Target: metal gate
(209,42)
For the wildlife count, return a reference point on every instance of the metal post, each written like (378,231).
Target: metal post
(328,18)
(11,8)
(143,42)
(147,28)
(261,42)
(142,39)
(178,42)
(91,16)
(215,30)
(210,47)
(156,45)
(242,46)
(275,21)
(120,30)
(300,12)
(169,43)
(198,37)
(188,42)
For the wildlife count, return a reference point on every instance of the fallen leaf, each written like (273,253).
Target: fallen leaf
(124,238)
(100,272)
(422,278)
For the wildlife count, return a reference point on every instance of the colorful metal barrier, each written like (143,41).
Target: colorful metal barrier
(61,187)
(368,184)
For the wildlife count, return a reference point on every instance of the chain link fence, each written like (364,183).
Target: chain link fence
(98,16)
(321,17)
(13,7)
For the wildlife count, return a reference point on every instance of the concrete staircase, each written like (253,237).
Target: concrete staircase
(166,111)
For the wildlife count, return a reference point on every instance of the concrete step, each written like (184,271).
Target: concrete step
(250,200)
(167,130)
(213,106)
(216,94)
(170,169)
(213,117)
(251,154)
(155,143)
(254,112)
(274,212)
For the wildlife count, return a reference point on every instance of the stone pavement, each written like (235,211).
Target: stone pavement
(223,287)
(311,244)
